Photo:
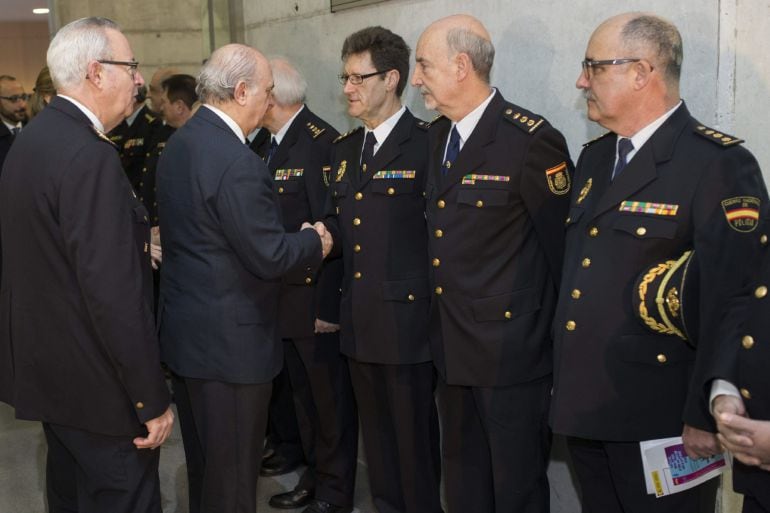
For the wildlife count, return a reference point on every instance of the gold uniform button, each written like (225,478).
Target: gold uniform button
(359,196)
(357,275)
(441,203)
(357,248)
(586,263)
(280,190)
(593,232)
(745,393)
(146,247)
(641,231)
(308,280)
(439,290)
(576,293)
(139,405)
(438,234)
(508,314)
(571,326)
(763,240)
(391,191)
(436,262)
(356,221)
(662,358)
(479,203)
(364,167)
(567,221)
(747,342)
(410,297)
(760,292)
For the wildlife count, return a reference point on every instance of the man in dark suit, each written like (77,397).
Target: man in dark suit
(79,350)
(13,112)
(657,184)
(377,182)
(224,251)
(297,151)
(496,201)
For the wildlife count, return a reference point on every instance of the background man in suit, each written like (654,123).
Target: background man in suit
(225,250)
(13,111)
(657,184)
(297,150)
(496,201)
(79,351)
(377,182)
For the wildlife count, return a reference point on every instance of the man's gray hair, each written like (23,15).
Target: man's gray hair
(661,37)
(226,67)
(74,46)
(290,85)
(480,50)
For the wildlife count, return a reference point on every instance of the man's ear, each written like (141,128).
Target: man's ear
(241,92)
(94,72)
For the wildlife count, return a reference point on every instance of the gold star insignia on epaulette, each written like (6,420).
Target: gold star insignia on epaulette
(314,130)
(427,124)
(149,118)
(605,134)
(527,123)
(717,137)
(346,134)
(101,136)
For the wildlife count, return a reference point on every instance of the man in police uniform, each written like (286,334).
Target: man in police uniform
(497,195)
(377,183)
(298,152)
(657,184)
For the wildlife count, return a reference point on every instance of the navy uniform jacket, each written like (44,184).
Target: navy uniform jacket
(147,183)
(298,179)
(381,224)
(133,143)
(224,252)
(615,379)
(496,229)
(77,338)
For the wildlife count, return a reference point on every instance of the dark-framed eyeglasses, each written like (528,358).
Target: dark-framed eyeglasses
(132,65)
(357,79)
(590,65)
(16,97)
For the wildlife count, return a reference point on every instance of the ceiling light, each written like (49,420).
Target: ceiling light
(40,11)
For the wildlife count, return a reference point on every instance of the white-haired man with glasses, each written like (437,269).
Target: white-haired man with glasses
(79,350)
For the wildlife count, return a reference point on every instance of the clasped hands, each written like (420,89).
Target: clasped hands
(323,233)
(747,439)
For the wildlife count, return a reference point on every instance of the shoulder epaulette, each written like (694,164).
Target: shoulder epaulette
(427,124)
(715,136)
(347,134)
(314,130)
(605,134)
(150,118)
(528,123)
(101,136)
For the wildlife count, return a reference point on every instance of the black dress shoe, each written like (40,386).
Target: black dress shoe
(294,499)
(278,465)
(319,506)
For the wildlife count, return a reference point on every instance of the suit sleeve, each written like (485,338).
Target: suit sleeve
(726,255)
(98,224)
(249,215)
(547,201)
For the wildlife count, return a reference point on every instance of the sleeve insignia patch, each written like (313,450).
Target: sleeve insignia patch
(558,179)
(742,213)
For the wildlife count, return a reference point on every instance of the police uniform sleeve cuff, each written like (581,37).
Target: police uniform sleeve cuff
(721,387)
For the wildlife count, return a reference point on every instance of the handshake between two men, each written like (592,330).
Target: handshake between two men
(326,237)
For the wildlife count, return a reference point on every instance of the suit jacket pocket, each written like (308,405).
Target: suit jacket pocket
(406,290)
(647,227)
(659,350)
(505,307)
(248,314)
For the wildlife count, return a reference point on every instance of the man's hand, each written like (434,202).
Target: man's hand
(326,237)
(156,253)
(699,443)
(158,430)
(325,327)
(747,439)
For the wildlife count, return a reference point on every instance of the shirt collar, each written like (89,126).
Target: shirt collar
(467,125)
(90,115)
(384,129)
(228,121)
(643,135)
(130,119)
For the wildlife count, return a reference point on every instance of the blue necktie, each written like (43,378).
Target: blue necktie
(367,155)
(452,150)
(271,151)
(625,146)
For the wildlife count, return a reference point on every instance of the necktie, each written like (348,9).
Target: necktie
(624,148)
(15,130)
(452,150)
(271,151)
(368,154)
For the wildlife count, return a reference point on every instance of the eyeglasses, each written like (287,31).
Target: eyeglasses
(132,65)
(357,79)
(590,65)
(16,98)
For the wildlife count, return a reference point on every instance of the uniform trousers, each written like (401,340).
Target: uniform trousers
(399,423)
(496,445)
(92,473)
(283,431)
(326,414)
(611,480)
(231,420)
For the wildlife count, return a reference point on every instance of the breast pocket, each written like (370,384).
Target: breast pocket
(339,190)
(392,187)
(286,186)
(483,197)
(647,227)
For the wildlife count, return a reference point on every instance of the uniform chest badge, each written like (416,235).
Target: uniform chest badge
(288,174)
(585,190)
(326,172)
(742,213)
(558,179)
(341,170)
